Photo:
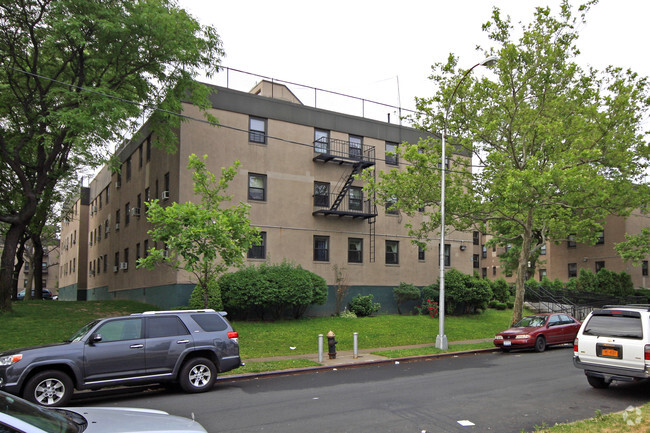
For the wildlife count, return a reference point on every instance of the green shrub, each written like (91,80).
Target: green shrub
(363,306)
(275,290)
(197,298)
(587,281)
(465,293)
(497,305)
(500,290)
(405,292)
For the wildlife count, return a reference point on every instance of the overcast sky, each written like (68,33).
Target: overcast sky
(365,48)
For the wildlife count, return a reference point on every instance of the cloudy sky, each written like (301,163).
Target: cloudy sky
(383,50)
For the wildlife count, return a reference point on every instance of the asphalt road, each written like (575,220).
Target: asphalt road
(495,392)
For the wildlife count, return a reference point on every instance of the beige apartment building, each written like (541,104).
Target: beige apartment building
(297,174)
(564,260)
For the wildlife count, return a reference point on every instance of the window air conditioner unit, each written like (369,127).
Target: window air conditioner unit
(165,195)
(117,226)
(135,211)
(124,265)
(114,268)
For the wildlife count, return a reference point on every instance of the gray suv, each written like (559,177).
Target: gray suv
(187,347)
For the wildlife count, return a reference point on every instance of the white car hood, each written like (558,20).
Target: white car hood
(123,420)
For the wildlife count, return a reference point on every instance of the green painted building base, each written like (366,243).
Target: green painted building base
(177,295)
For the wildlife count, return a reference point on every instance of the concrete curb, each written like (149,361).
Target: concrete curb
(294,371)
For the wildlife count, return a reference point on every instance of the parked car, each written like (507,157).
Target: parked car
(188,347)
(614,344)
(20,415)
(47,295)
(538,331)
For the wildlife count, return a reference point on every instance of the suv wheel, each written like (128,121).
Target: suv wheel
(540,344)
(597,382)
(198,375)
(49,388)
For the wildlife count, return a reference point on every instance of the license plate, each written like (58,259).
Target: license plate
(507,343)
(609,351)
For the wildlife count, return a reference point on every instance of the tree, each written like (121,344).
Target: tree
(75,76)
(204,239)
(636,247)
(559,147)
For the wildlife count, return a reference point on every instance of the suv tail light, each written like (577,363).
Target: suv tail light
(647,352)
(575,347)
(236,335)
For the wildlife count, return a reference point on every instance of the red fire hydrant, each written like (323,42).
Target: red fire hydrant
(331,344)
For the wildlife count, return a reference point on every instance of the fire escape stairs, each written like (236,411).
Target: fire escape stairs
(357,167)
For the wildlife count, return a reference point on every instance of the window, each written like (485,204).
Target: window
(356,198)
(321,141)
(147,195)
(475,261)
(140,156)
(392,252)
(421,253)
(573,270)
(149,148)
(542,274)
(356,147)
(166,182)
(599,266)
(126,256)
(107,189)
(127,208)
(484,272)
(644,268)
(475,238)
(146,248)
(484,251)
(137,253)
(447,254)
(571,241)
(138,203)
(494,270)
(106,229)
(321,248)
(542,250)
(601,238)
(390,206)
(118,183)
(391,156)
(128,169)
(257,130)
(105,263)
(321,194)
(258,250)
(355,250)
(117,260)
(117,219)
(165,326)
(121,329)
(256,187)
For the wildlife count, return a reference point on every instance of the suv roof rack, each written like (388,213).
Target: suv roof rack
(640,306)
(204,310)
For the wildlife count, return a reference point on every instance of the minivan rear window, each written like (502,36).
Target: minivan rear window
(614,326)
(210,322)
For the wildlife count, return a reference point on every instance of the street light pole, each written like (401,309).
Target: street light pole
(441,338)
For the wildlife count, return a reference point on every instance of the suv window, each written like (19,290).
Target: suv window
(614,326)
(168,326)
(121,329)
(210,322)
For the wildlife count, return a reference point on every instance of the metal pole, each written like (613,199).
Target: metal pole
(441,338)
(355,345)
(320,347)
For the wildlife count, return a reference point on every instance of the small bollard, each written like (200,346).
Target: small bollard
(355,345)
(320,347)
(331,344)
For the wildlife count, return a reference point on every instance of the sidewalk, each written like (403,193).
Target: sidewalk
(346,358)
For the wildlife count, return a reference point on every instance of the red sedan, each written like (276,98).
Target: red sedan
(538,331)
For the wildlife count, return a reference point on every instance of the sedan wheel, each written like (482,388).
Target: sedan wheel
(198,375)
(540,344)
(49,388)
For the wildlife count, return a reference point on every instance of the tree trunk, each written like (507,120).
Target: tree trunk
(12,238)
(37,266)
(522,268)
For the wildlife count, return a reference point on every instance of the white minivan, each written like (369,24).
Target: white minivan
(614,344)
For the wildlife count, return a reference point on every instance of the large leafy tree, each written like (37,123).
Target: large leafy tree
(206,238)
(635,248)
(76,75)
(559,147)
